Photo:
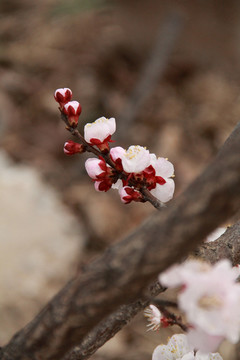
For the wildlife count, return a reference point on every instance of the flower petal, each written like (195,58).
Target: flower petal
(164,192)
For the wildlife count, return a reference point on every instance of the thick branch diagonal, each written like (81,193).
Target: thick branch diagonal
(123,272)
(226,247)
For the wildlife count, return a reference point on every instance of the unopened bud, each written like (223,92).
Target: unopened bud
(128,194)
(72,110)
(63,96)
(71,148)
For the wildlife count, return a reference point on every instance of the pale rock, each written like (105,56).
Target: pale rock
(40,243)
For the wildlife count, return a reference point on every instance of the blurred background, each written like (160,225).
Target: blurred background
(168,71)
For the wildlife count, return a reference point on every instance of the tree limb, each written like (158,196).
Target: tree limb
(226,246)
(123,272)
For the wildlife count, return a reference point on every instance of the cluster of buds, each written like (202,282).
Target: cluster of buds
(132,172)
(72,109)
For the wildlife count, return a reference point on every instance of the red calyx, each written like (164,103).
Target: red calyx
(71,148)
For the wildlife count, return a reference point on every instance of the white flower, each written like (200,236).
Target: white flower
(117,152)
(214,303)
(135,159)
(164,169)
(154,317)
(162,166)
(99,130)
(210,297)
(200,339)
(178,348)
(183,274)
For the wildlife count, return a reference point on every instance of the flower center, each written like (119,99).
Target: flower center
(209,302)
(133,151)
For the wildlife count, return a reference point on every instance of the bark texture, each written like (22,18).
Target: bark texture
(122,274)
(226,246)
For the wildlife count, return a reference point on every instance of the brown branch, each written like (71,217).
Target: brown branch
(226,247)
(123,272)
(112,325)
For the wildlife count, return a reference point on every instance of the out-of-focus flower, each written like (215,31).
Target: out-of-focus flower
(178,348)
(63,96)
(71,148)
(210,297)
(99,132)
(135,159)
(72,110)
(200,339)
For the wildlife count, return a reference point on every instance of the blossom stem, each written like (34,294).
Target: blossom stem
(144,191)
(152,199)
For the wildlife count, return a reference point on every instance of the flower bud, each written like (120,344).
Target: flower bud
(71,148)
(103,185)
(128,194)
(72,110)
(96,169)
(63,96)
(116,154)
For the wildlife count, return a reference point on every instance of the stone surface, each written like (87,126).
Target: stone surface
(40,243)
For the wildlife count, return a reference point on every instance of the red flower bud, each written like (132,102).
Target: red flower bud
(73,110)
(63,96)
(71,148)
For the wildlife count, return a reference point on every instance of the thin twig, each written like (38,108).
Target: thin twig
(173,319)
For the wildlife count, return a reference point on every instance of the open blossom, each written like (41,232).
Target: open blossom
(163,185)
(135,159)
(200,339)
(72,110)
(178,348)
(63,96)
(210,297)
(99,132)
